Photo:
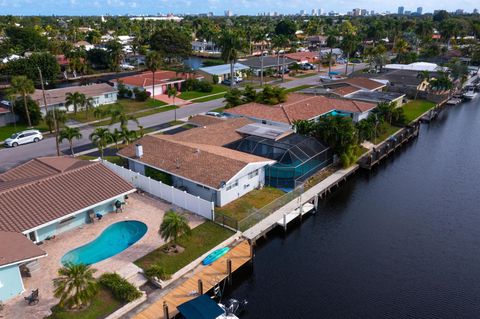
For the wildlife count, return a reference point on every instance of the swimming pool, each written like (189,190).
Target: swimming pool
(113,240)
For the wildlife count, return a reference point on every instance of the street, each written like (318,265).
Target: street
(10,157)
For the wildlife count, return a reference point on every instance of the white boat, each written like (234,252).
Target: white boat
(469,95)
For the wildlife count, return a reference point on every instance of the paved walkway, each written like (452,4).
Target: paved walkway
(139,207)
(169,100)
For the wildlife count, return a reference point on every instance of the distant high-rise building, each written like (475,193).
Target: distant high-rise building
(228,13)
(364,12)
(314,12)
(475,11)
(459,11)
(372,13)
(320,12)
(400,10)
(407,12)
(419,10)
(356,12)
(303,12)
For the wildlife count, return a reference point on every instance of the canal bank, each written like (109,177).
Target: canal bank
(399,242)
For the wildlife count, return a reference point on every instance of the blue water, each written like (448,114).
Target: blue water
(113,240)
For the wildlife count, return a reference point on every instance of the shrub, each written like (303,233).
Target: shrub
(141,96)
(215,79)
(33,111)
(121,289)
(158,175)
(204,86)
(156,270)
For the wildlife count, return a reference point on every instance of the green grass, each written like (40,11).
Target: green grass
(389,130)
(203,238)
(112,159)
(242,207)
(188,95)
(141,114)
(414,109)
(7,130)
(298,88)
(102,305)
(304,75)
(219,110)
(209,98)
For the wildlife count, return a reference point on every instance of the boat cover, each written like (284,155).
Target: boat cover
(202,307)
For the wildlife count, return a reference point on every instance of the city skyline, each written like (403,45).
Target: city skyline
(218,7)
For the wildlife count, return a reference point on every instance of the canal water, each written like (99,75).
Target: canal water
(400,242)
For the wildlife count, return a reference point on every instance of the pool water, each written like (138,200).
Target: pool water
(113,240)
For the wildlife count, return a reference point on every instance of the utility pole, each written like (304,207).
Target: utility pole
(53,112)
(261,69)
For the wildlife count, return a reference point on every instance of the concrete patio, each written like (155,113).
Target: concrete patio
(139,207)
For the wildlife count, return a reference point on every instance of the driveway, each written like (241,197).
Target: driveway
(139,207)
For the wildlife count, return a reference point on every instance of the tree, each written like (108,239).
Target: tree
(153,62)
(332,34)
(172,43)
(272,95)
(117,114)
(101,137)
(75,99)
(115,54)
(233,98)
(22,86)
(231,44)
(60,117)
(25,39)
(286,27)
(88,104)
(172,92)
(75,286)
(173,226)
(280,42)
(349,40)
(249,94)
(70,133)
(29,67)
(127,136)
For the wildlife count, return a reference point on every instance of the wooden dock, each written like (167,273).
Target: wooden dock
(209,275)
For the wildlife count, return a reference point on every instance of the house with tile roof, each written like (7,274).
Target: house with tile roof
(302,107)
(197,161)
(46,197)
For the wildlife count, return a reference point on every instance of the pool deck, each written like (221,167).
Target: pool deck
(139,207)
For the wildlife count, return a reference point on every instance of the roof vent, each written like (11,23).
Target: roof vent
(138,150)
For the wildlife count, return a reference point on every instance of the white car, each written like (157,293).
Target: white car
(125,66)
(24,137)
(238,78)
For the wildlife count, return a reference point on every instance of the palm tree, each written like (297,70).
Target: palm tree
(21,85)
(349,40)
(88,104)
(231,45)
(331,42)
(75,285)
(60,118)
(172,92)
(117,114)
(116,137)
(69,133)
(174,225)
(280,42)
(76,99)
(101,137)
(127,136)
(153,62)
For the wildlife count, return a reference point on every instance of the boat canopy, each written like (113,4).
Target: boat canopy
(202,307)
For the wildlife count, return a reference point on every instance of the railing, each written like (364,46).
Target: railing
(257,215)
(226,221)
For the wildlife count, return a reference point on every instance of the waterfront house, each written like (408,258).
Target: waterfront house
(48,196)
(145,81)
(404,81)
(272,63)
(304,57)
(205,48)
(223,71)
(56,98)
(302,107)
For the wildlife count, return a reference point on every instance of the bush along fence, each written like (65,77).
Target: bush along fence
(168,193)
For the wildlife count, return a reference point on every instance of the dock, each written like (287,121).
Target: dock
(299,212)
(205,279)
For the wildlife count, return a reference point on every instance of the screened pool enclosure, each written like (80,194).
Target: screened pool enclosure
(298,157)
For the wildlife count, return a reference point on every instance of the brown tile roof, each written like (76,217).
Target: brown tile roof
(56,96)
(302,56)
(205,164)
(204,120)
(146,78)
(346,90)
(4,110)
(46,189)
(361,82)
(15,248)
(299,107)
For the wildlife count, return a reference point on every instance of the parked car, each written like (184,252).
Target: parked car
(228,82)
(24,137)
(126,66)
(307,66)
(238,79)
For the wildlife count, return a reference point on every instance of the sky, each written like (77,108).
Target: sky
(252,7)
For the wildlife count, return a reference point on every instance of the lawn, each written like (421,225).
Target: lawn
(242,207)
(129,105)
(414,109)
(389,131)
(298,88)
(112,159)
(189,95)
(102,305)
(209,98)
(203,238)
(7,130)
(146,112)
(304,75)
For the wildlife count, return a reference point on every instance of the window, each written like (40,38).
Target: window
(232,185)
(253,174)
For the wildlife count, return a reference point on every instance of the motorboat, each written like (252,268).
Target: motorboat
(469,95)
(232,309)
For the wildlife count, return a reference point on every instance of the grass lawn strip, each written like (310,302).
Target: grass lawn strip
(203,238)
(389,131)
(298,88)
(242,207)
(190,95)
(414,109)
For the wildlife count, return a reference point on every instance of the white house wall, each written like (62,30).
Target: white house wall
(245,184)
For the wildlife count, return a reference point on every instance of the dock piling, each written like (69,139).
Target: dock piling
(166,314)
(229,271)
(200,287)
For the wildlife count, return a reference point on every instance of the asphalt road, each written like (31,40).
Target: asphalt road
(10,157)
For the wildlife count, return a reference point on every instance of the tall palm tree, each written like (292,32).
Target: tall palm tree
(70,133)
(331,42)
(88,104)
(174,225)
(172,92)
(101,137)
(280,42)
(117,114)
(349,40)
(231,45)
(75,99)
(153,62)
(127,136)
(116,137)
(21,85)
(75,285)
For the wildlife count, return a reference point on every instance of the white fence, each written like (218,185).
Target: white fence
(175,196)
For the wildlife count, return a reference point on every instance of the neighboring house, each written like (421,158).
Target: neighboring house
(6,116)
(269,62)
(405,82)
(163,80)
(304,57)
(100,93)
(316,41)
(416,66)
(205,47)
(302,107)
(15,251)
(222,71)
(360,83)
(44,198)
(377,97)
(196,161)
(85,45)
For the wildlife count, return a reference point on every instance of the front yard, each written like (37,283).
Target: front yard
(256,199)
(203,238)
(414,109)
(388,130)
(217,89)
(7,130)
